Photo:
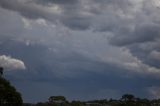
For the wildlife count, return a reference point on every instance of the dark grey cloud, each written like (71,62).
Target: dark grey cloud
(73,14)
(81,23)
(116,14)
(141,34)
(69,15)
(146,53)
(28,10)
(125,23)
(142,41)
(62,2)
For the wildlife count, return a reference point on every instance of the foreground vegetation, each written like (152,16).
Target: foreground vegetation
(8,94)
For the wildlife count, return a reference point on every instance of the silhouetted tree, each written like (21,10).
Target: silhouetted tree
(57,99)
(8,94)
(128,100)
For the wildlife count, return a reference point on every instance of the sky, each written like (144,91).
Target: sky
(81,49)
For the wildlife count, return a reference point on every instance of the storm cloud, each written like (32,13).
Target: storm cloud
(86,42)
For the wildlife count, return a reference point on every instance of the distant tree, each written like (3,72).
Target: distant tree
(128,100)
(128,97)
(57,100)
(8,94)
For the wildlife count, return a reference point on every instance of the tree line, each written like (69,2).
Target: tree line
(125,100)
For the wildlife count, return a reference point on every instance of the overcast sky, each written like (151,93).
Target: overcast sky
(81,49)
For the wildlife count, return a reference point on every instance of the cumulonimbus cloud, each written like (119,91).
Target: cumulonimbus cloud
(126,21)
(11,63)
